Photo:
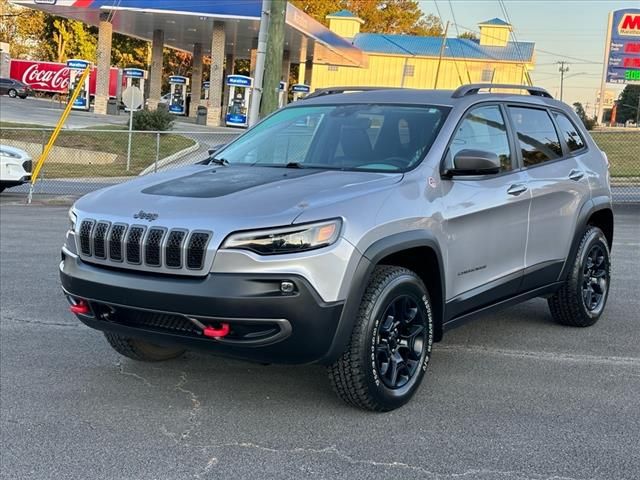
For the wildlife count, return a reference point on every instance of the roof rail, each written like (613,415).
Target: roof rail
(475,88)
(335,90)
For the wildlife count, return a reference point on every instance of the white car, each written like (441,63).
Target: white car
(15,167)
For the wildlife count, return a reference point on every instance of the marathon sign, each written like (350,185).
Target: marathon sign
(239,80)
(54,77)
(133,73)
(623,61)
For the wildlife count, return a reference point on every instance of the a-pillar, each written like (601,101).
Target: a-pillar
(216,80)
(196,79)
(229,66)
(155,72)
(103,54)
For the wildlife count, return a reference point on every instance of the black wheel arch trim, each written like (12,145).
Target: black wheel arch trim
(589,208)
(373,254)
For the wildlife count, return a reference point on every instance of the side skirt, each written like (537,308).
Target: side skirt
(537,292)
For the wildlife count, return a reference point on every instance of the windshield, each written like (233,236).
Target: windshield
(382,138)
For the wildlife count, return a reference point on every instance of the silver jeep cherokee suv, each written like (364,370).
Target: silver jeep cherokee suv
(352,230)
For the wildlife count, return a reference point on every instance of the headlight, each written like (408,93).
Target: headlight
(72,220)
(298,238)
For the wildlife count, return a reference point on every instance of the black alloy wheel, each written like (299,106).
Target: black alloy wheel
(400,342)
(595,278)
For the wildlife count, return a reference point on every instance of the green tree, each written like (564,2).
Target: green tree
(589,123)
(628,104)
(380,16)
(468,35)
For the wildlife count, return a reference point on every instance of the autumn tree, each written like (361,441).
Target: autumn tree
(380,16)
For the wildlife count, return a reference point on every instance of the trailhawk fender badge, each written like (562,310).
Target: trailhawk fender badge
(432,182)
(142,215)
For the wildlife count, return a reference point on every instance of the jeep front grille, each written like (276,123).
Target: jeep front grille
(143,248)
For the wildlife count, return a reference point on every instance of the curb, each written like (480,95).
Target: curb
(171,158)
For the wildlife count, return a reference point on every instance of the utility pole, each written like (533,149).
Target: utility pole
(563,68)
(442,47)
(273,60)
(256,96)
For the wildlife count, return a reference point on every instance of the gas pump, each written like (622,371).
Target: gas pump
(205,90)
(240,88)
(282,94)
(76,68)
(135,77)
(178,96)
(300,90)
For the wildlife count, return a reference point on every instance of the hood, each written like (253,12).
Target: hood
(229,198)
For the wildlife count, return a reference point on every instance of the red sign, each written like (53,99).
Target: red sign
(54,77)
(630,24)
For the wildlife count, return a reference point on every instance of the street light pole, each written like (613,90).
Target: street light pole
(564,67)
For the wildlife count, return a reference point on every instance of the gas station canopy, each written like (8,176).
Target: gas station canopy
(191,21)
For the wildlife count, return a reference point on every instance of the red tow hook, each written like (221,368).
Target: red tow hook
(80,308)
(212,332)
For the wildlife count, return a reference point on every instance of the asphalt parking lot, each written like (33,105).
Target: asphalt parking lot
(510,396)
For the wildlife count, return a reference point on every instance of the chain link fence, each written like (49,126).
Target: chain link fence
(84,160)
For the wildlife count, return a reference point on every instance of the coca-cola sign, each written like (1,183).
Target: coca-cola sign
(54,77)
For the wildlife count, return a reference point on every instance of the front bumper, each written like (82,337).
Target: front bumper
(270,326)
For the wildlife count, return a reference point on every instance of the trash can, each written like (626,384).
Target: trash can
(112,107)
(201,115)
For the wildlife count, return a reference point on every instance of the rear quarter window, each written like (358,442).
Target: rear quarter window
(569,132)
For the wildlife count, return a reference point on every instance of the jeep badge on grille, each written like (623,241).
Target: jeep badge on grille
(142,215)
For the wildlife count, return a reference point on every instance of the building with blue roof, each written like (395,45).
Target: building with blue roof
(428,62)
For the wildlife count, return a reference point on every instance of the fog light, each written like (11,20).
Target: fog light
(287,287)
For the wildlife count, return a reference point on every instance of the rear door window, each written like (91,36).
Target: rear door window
(537,136)
(569,131)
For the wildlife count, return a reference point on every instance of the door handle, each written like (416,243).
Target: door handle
(576,175)
(517,189)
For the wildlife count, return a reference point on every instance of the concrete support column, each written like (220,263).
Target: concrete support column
(308,73)
(286,69)
(103,53)
(302,70)
(229,66)
(216,80)
(252,62)
(196,79)
(155,72)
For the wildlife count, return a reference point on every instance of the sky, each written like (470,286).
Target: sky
(569,30)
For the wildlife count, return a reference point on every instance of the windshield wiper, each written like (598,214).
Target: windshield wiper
(219,161)
(293,165)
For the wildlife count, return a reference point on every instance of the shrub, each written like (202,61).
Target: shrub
(154,120)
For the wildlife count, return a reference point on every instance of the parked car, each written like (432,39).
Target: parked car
(351,230)
(14,88)
(15,167)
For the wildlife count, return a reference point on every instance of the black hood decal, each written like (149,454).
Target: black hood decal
(221,181)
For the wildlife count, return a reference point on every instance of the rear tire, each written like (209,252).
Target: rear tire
(12,93)
(390,346)
(140,350)
(583,296)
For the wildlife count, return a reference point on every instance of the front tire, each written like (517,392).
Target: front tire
(390,346)
(140,350)
(583,296)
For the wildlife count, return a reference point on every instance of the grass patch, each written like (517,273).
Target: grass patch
(108,145)
(623,150)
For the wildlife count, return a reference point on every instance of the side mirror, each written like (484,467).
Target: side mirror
(474,162)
